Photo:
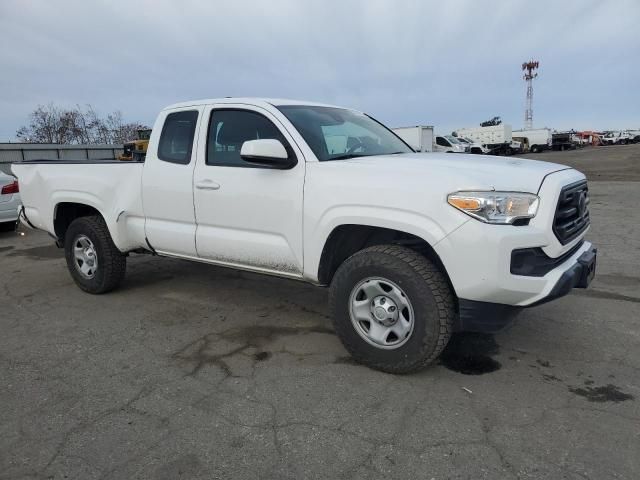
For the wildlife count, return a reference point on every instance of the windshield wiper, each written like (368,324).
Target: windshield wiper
(347,156)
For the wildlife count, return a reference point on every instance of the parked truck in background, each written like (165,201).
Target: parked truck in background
(538,139)
(413,246)
(136,149)
(634,136)
(474,146)
(450,144)
(497,138)
(615,138)
(420,138)
(564,141)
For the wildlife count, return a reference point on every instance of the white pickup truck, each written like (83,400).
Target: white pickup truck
(413,246)
(616,138)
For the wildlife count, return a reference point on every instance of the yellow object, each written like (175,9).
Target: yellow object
(465,203)
(136,149)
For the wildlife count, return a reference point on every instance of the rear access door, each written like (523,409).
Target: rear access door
(167,182)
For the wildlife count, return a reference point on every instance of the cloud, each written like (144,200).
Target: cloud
(449,64)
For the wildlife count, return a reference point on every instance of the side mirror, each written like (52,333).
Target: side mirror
(267,153)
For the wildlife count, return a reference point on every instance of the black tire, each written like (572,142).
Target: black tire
(111,263)
(427,290)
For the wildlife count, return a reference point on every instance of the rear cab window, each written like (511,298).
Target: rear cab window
(176,139)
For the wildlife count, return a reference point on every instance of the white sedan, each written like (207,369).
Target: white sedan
(9,198)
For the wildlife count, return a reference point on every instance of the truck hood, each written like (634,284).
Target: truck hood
(457,171)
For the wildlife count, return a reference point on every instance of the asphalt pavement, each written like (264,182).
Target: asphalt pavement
(196,372)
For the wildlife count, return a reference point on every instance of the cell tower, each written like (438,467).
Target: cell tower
(529,69)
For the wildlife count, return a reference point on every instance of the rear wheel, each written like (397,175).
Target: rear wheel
(392,308)
(95,263)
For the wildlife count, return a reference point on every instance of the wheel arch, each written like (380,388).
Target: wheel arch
(347,239)
(64,213)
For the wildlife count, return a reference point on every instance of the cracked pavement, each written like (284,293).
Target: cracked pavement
(191,371)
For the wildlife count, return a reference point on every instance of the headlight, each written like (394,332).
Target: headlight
(496,207)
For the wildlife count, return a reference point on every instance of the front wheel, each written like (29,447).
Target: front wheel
(95,263)
(392,308)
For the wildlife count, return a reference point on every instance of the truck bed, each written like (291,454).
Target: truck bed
(110,186)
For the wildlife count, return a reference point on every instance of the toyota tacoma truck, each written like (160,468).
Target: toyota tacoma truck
(413,246)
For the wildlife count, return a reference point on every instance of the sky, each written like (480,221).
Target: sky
(450,63)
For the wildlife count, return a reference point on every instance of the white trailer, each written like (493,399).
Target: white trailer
(497,138)
(420,138)
(538,139)
(493,135)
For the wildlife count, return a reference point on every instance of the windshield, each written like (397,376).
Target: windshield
(338,134)
(452,139)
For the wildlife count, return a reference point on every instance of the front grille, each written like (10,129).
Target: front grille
(572,212)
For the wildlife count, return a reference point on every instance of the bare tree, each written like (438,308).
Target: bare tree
(43,127)
(80,125)
(492,122)
(121,132)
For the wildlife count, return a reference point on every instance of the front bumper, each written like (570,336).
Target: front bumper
(477,256)
(579,275)
(477,316)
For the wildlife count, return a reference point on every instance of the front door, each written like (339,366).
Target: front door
(247,216)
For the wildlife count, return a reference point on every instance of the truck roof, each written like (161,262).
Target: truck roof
(250,100)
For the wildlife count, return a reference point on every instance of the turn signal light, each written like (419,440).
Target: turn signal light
(465,203)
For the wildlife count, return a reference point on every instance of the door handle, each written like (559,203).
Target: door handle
(207,185)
